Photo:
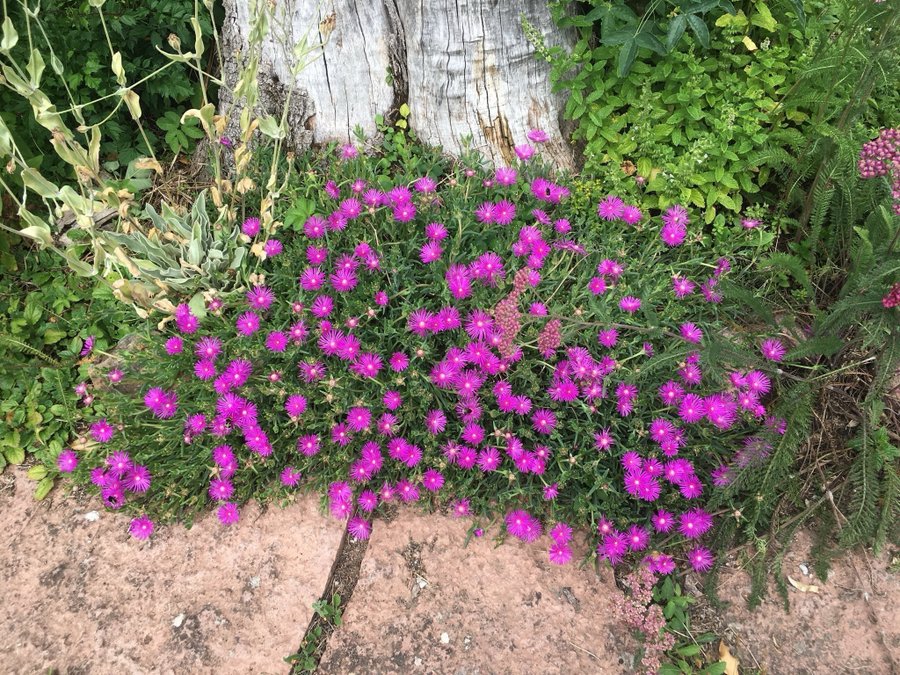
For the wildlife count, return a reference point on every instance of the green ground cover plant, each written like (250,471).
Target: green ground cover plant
(445,328)
(47,319)
(710,118)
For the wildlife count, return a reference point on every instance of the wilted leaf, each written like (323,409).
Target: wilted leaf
(731,663)
(749,44)
(148,163)
(117,68)
(803,588)
(133,101)
(10,36)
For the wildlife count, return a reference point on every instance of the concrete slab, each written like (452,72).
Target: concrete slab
(424,603)
(82,596)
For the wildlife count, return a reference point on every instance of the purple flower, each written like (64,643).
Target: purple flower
(700,558)
(141,528)
(295,405)
(220,489)
(247,323)
(611,208)
(102,431)
(272,248)
(432,480)
(67,461)
(559,553)
(137,479)
(290,477)
(630,304)
(522,525)
(260,298)
(543,421)
(773,350)
(174,345)
(694,523)
(359,528)
(250,227)
(119,463)
(228,513)
(524,152)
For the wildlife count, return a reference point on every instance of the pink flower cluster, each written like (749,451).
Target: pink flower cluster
(881,157)
(637,610)
(892,297)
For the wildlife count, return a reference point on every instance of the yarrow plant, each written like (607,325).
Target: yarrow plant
(463,336)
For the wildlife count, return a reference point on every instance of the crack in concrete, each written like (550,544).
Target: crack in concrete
(342,580)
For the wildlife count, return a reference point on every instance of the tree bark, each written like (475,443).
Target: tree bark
(465,69)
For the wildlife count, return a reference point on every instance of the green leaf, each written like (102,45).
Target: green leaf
(37,472)
(35,181)
(619,37)
(404,110)
(43,488)
(797,6)
(625,58)
(198,305)
(763,17)
(32,313)
(35,68)
(10,36)
(688,650)
(269,126)
(651,42)
(53,335)
(698,26)
(676,30)
(14,455)
(700,6)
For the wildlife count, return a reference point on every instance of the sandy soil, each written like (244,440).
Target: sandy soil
(851,625)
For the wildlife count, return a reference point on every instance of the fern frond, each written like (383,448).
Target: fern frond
(24,348)
(824,345)
(792,265)
(863,480)
(890,506)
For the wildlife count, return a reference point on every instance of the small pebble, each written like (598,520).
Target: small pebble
(445,638)
(178,620)
(92,516)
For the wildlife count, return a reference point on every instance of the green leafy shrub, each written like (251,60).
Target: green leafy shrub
(838,462)
(45,317)
(708,127)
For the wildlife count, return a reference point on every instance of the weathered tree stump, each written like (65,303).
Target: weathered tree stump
(465,69)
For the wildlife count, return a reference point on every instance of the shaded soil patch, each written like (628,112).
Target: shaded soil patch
(850,625)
